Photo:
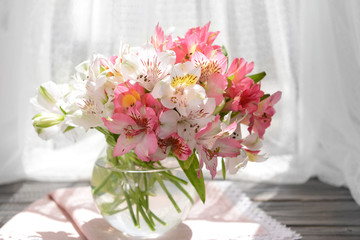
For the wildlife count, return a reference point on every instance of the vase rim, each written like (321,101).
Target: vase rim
(167,165)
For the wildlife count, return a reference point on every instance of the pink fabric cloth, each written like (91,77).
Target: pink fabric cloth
(70,213)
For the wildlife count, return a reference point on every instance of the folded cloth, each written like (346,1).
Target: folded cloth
(70,213)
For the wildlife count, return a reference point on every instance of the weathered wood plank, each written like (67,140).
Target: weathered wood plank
(327,230)
(10,187)
(340,219)
(11,207)
(313,190)
(327,237)
(26,186)
(329,213)
(31,191)
(314,208)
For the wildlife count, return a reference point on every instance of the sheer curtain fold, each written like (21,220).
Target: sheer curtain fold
(308,49)
(19,61)
(329,92)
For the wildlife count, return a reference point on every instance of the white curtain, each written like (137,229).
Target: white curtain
(329,87)
(313,133)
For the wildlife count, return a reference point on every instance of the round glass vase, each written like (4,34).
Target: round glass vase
(141,199)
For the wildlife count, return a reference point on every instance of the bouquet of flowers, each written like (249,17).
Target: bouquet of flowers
(170,97)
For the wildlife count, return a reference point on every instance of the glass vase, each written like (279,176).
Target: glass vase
(141,199)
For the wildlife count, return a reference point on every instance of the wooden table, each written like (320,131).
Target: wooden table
(314,209)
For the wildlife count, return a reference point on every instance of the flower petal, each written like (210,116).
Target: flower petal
(180,149)
(253,142)
(216,85)
(168,123)
(210,163)
(118,122)
(146,146)
(227,147)
(233,164)
(125,144)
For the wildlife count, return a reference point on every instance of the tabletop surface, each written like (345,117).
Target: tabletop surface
(314,209)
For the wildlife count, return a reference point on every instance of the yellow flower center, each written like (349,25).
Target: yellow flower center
(185,81)
(130,99)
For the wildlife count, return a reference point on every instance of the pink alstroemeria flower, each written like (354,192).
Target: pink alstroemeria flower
(215,140)
(172,142)
(212,70)
(126,95)
(196,39)
(261,119)
(137,129)
(238,69)
(160,41)
(243,94)
(244,98)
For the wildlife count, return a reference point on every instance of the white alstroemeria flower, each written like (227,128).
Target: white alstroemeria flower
(124,50)
(82,70)
(93,104)
(234,164)
(50,97)
(97,91)
(187,127)
(180,90)
(55,104)
(253,142)
(102,72)
(253,145)
(147,66)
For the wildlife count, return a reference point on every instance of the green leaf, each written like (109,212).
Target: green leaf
(231,78)
(257,77)
(46,95)
(265,96)
(192,175)
(63,111)
(69,128)
(219,107)
(223,168)
(226,54)
(188,162)
(224,51)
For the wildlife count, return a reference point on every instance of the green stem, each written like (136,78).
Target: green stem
(172,177)
(167,193)
(183,191)
(116,211)
(127,198)
(137,215)
(141,201)
(103,131)
(102,184)
(118,200)
(145,217)
(157,218)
